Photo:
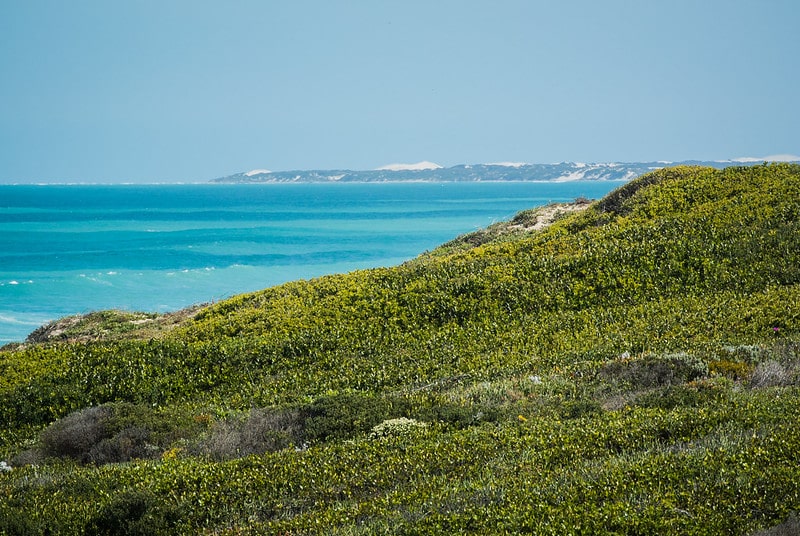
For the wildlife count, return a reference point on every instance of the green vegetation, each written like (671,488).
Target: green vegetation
(108,325)
(632,368)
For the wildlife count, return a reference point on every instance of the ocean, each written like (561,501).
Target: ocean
(69,249)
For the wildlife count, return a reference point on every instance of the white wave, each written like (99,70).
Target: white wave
(99,278)
(419,166)
(19,322)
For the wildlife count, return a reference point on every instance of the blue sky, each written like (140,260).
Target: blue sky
(189,90)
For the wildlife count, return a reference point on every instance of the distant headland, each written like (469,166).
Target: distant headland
(494,172)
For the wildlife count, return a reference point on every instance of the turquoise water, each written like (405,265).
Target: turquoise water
(74,249)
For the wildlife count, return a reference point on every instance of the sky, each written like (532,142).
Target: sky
(191,90)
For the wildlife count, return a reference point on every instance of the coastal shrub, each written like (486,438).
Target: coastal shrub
(786,351)
(779,366)
(344,415)
(519,225)
(399,427)
(128,444)
(75,435)
(771,373)
(456,415)
(581,407)
(655,370)
(683,395)
(743,353)
(790,527)
(111,433)
(260,430)
(14,522)
(29,456)
(135,512)
(731,369)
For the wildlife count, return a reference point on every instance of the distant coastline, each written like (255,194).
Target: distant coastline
(505,172)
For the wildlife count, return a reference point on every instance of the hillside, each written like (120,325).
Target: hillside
(630,368)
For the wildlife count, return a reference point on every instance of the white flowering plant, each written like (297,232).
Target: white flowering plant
(401,426)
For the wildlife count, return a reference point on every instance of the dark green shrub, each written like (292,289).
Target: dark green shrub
(15,522)
(345,415)
(135,512)
(674,396)
(456,415)
(574,409)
